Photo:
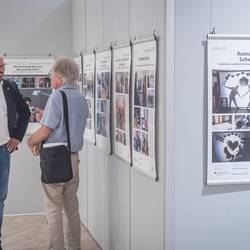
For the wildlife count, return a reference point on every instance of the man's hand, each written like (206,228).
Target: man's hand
(35,150)
(12,145)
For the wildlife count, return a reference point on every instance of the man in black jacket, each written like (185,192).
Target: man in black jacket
(14,119)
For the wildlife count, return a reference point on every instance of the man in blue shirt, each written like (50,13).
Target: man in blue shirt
(60,196)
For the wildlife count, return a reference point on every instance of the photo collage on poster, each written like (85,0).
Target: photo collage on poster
(231,115)
(144,68)
(133,117)
(31,76)
(121,76)
(35,91)
(228,138)
(88,91)
(103,79)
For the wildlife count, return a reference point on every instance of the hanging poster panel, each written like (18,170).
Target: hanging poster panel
(31,76)
(228,110)
(144,80)
(103,79)
(78,60)
(88,90)
(121,76)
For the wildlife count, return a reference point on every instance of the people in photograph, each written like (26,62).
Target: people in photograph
(118,82)
(137,142)
(232,96)
(36,113)
(216,95)
(28,82)
(137,118)
(14,117)
(32,109)
(145,144)
(63,197)
(248,92)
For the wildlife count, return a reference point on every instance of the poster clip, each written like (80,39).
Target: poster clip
(213,31)
(131,41)
(4,54)
(50,54)
(155,34)
(113,44)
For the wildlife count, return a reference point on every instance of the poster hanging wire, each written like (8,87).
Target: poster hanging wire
(228,36)
(111,102)
(146,39)
(87,52)
(94,51)
(120,46)
(101,50)
(130,106)
(49,56)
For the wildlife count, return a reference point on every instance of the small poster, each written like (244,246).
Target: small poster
(88,90)
(228,110)
(103,80)
(121,76)
(78,60)
(31,77)
(144,81)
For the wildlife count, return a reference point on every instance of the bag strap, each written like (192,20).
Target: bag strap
(66,117)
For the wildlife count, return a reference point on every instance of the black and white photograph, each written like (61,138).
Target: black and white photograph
(88,85)
(28,82)
(90,108)
(140,89)
(137,145)
(120,137)
(102,106)
(101,124)
(120,112)
(141,142)
(231,91)
(222,122)
(231,146)
(43,82)
(122,82)
(141,118)
(242,122)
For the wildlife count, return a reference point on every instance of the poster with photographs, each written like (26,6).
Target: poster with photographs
(228,110)
(78,60)
(88,91)
(31,77)
(144,81)
(121,76)
(103,80)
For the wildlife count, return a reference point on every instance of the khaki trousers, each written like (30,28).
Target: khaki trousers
(62,197)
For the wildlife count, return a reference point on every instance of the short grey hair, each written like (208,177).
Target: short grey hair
(68,69)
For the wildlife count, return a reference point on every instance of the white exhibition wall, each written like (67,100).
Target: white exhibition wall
(121,207)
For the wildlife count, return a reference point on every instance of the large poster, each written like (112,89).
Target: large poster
(144,81)
(88,90)
(228,110)
(121,76)
(103,79)
(31,76)
(78,60)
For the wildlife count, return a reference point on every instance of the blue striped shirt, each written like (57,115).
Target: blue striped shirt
(54,119)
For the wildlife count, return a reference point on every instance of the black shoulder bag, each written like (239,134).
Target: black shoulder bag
(55,162)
